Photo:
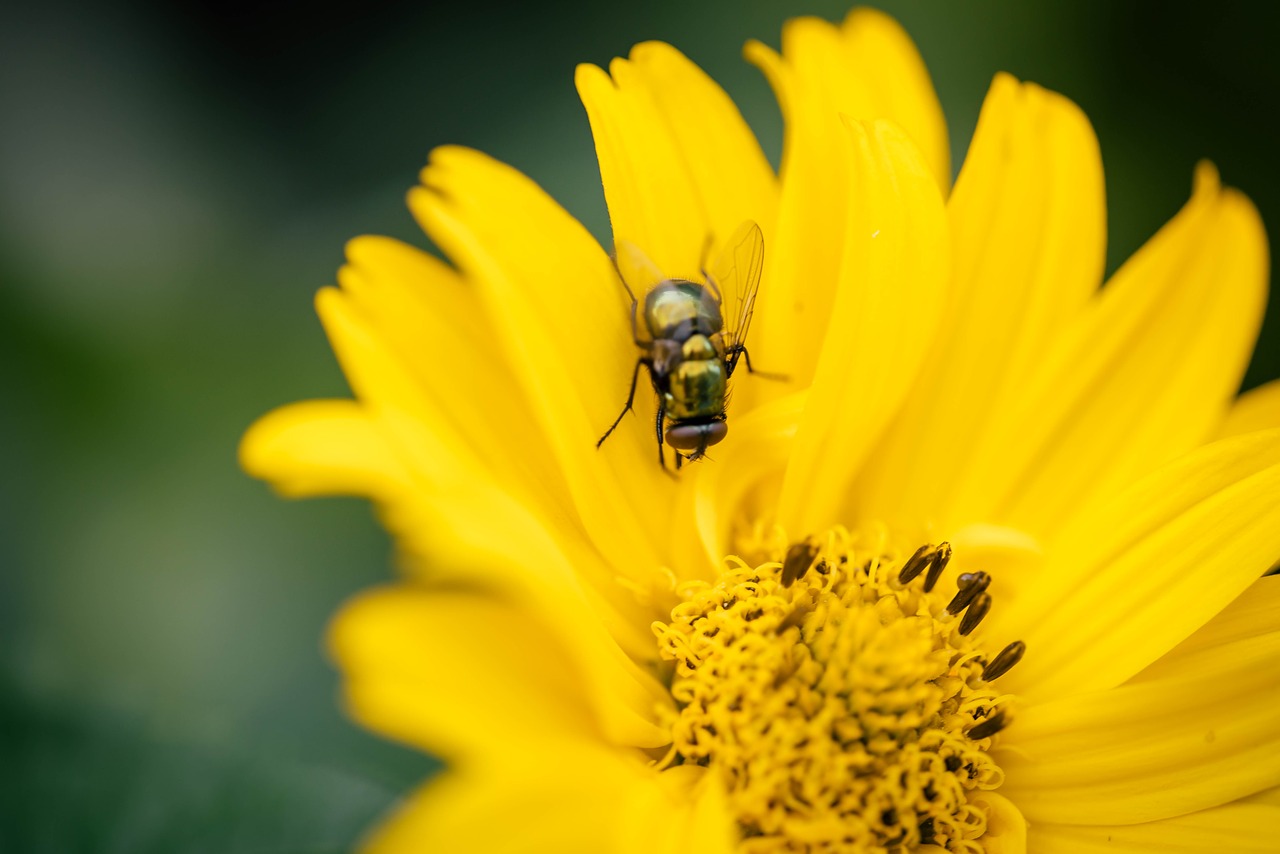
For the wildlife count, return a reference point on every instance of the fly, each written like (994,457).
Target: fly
(684,343)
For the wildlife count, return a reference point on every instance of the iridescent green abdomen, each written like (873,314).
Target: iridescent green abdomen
(698,380)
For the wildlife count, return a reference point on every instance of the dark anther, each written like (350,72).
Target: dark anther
(799,558)
(916,564)
(927,836)
(1001,664)
(952,763)
(930,793)
(990,726)
(889,816)
(940,560)
(970,584)
(978,609)
(795,618)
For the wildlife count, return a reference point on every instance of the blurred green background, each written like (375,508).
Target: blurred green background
(175,183)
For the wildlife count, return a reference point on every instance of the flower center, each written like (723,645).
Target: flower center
(840,697)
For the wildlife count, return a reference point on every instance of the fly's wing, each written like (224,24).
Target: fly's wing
(735,273)
(639,275)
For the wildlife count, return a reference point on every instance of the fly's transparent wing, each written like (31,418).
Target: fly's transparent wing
(639,275)
(735,273)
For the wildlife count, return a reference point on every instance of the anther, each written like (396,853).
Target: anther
(916,564)
(990,726)
(927,833)
(940,560)
(1001,664)
(970,584)
(799,558)
(977,610)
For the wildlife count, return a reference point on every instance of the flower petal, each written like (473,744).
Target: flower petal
(1254,612)
(678,162)
(427,319)
(866,69)
(1144,375)
(892,286)
(443,670)
(717,497)
(1028,226)
(322,447)
(1197,731)
(1258,409)
(686,812)
(1006,828)
(555,300)
(1129,579)
(1244,827)
(571,801)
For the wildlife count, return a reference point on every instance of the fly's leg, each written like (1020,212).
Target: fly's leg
(657,428)
(631,397)
(700,451)
(731,358)
(635,303)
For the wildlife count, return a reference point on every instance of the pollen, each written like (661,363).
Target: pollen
(840,696)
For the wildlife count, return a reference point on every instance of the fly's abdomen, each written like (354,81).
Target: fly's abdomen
(697,390)
(697,382)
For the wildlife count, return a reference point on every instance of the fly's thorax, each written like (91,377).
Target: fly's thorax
(678,308)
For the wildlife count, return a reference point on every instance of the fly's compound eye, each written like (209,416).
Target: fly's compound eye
(696,437)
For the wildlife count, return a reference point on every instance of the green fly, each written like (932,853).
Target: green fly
(684,344)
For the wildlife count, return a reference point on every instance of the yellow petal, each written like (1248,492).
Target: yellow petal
(569,800)
(1144,375)
(1131,578)
(431,323)
(625,700)
(885,61)
(866,69)
(1200,732)
(686,812)
(322,447)
(449,515)
(1254,612)
(892,287)
(680,166)
(1006,828)
(443,671)
(556,302)
(1028,228)
(718,496)
(1244,827)
(1258,409)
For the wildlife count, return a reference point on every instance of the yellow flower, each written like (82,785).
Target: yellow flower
(982,574)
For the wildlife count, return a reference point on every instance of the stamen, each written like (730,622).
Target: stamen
(989,727)
(937,565)
(916,563)
(977,610)
(799,558)
(842,712)
(1003,662)
(970,584)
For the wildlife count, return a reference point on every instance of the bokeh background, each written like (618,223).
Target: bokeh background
(176,180)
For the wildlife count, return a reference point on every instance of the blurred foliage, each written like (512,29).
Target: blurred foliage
(175,182)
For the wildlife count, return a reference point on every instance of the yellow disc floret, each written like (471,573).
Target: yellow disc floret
(842,702)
